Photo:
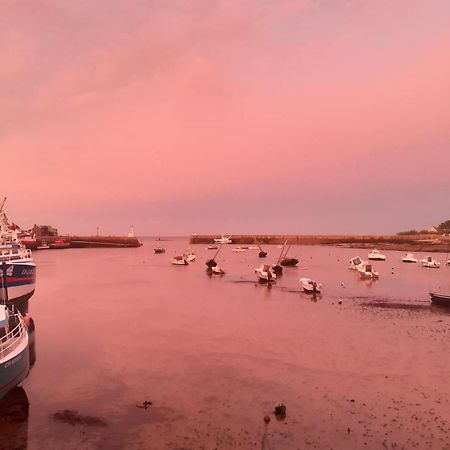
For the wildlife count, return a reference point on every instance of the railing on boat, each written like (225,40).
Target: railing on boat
(12,340)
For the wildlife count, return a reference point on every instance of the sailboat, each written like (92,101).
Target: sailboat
(290,262)
(277,268)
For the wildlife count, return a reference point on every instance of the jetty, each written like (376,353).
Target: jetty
(418,243)
(93,241)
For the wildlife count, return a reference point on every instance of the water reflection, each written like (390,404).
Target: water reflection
(14,409)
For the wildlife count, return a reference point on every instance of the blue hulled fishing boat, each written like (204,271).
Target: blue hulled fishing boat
(14,350)
(17,263)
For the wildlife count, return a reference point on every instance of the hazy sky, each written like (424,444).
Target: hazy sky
(251,116)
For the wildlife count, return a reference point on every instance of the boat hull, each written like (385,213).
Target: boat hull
(14,370)
(21,282)
(439,299)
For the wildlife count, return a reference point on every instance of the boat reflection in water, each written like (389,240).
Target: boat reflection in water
(14,408)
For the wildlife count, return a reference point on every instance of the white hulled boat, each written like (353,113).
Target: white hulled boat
(265,274)
(409,258)
(310,286)
(366,271)
(179,261)
(356,263)
(376,255)
(223,240)
(430,263)
(239,249)
(189,256)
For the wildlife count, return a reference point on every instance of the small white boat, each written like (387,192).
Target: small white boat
(429,262)
(409,258)
(217,270)
(355,263)
(376,255)
(239,249)
(366,271)
(253,247)
(223,240)
(189,256)
(310,286)
(265,274)
(213,247)
(179,261)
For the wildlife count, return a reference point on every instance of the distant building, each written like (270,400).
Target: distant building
(44,230)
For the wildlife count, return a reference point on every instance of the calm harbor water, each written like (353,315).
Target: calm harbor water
(118,327)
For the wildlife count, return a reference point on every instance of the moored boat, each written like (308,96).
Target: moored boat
(59,244)
(223,240)
(440,299)
(366,271)
(355,263)
(17,268)
(310,286)
(179,261)
(376,255)
(189,256)
(409,258)
(239,249)
(430,263)
(217,270)
(14,350)
(159,250)
(265,274)
(213,247)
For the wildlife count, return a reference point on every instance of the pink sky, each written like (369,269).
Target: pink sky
(253,116)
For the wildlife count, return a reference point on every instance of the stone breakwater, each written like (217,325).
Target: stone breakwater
(95,241)
(418,243)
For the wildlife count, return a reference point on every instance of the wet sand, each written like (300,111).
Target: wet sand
(118,327)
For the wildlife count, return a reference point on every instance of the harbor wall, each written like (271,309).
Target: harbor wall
(94,241)
(424,243)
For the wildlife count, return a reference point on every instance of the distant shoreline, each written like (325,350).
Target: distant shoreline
(417,243)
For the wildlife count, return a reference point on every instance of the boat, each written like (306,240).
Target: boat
(356,263)
(288,262)
(159,250)
(440,299)
(217,270)
(253,247)
(213,247)
(409,258)
(59,244)
(277,268)
(366,271)
(43,246)
(239,249)
(189,256)
(310,286)
(17,268)
(210,263)
(376,255)
(430,263)
(14,349)
(179,261)
(448,262)
(223,240)
(265,274)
